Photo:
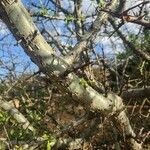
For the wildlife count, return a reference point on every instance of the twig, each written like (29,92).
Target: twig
(145,2)
(74,69)
(10,144)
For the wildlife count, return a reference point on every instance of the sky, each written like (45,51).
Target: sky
(9,50)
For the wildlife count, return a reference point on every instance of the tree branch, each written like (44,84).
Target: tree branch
(21,25)
(79,47)
(16,114)
(145,55)
(140,93)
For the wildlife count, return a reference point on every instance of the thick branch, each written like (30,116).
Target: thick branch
(138,20)
(123,14)
(16,114)
(140,93)
(21,25)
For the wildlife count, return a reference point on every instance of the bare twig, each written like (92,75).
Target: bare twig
(143,54)
(10,144)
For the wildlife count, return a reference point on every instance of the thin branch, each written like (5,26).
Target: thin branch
(142,3)
(130,18)
(79,47)
(66,12)
(139,93)
(9,141)
(55,17)
(121,6)
(145,55)
(56,42)
(74,69)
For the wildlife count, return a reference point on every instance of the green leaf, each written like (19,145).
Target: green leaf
(101,3)
(48,146)
(83,83)
(44,11)
(45,137)
(69,19)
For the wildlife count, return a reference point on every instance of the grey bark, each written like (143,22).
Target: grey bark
(16,114)
(22,27)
